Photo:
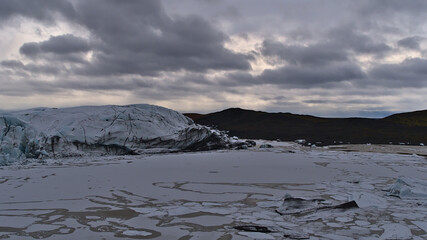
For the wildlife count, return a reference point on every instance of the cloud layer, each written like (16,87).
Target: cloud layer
(345,58)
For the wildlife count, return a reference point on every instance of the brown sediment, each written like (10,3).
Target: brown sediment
(10,229)
(394,149)
(226,237)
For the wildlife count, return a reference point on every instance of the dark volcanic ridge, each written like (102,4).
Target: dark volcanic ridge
(403,128)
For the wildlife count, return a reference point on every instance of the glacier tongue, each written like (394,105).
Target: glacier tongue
(97,130)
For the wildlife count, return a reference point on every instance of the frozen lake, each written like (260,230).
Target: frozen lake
(205,195)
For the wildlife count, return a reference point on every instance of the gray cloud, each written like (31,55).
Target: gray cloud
(22,69)
(42,10)
(386,7)
(306,77)
(316,54)
(151,41)
(299,76)
(410,43)
(170,50)
(138,37)
(63,44)
(12,64)
(30,49)
(307,66)
(345,37)
(352,101)
(411,72)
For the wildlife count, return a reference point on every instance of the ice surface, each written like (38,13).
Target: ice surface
(364,200)
(42,227)
(79,131)
(421,224)
(206,194)
(15,221)
(396,231)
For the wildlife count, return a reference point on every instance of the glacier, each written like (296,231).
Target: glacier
(101,130)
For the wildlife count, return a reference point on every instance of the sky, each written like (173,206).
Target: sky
(334,58)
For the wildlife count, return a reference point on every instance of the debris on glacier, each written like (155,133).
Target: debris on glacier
(102,130)
(271,229)
(266,145)
(253,228)
(250,143)
(298,206)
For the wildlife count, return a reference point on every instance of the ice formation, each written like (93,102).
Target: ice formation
(89,130)
(406,187)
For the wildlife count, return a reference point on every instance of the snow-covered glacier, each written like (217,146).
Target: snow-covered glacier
(98,130)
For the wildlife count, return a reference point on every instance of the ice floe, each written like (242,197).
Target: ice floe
(396,231)
(205,195)
(406,187)
(364,199)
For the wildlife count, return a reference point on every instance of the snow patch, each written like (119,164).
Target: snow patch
(133,233)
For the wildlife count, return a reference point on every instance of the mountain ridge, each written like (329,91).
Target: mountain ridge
(408,127)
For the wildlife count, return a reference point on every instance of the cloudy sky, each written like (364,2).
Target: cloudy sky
(328,58)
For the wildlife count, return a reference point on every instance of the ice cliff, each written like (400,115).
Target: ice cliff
(110,130)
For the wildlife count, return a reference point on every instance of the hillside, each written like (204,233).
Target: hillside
(415,119)
(399,128)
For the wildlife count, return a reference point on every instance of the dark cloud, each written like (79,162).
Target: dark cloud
(317,54)
(63,44)
(392,17)
(30,49)
(347,37)
(308,65)
(411,72)
(299,76)
(410,43)
(22,69)
(306,77)
(385,7)
(42,10)
(138,37)
(12,64)
(334,101)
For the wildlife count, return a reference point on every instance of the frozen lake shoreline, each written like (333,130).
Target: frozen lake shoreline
(204,195)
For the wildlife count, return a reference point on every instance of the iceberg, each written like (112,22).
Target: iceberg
(406,187)
(101,130)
